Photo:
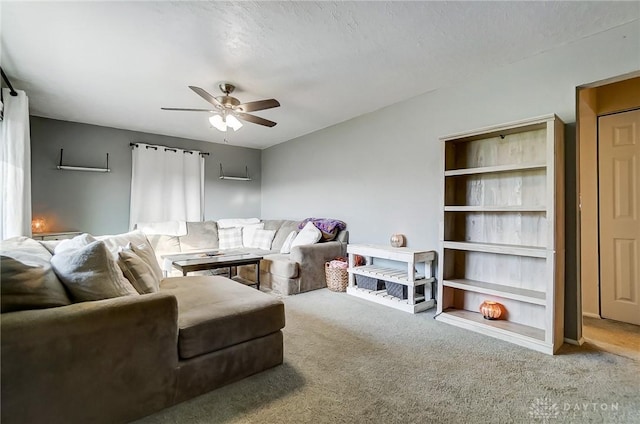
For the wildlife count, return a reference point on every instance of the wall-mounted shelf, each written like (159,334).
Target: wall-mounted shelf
(494,169)
(82,168)
(229,177)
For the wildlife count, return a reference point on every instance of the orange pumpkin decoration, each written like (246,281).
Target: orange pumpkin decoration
(491,310)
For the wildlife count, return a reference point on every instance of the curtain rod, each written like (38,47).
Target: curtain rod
(173,149)
(11,90)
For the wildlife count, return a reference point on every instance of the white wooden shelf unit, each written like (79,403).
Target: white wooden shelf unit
(399,267)
(502,231)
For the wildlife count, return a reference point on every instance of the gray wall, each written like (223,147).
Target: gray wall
(382,172)
(99,203)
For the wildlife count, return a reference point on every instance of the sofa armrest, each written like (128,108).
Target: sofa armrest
(73,363)
(311,259)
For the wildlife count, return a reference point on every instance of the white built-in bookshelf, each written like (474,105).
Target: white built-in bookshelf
(502,231)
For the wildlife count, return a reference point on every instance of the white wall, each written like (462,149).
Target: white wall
(381,172)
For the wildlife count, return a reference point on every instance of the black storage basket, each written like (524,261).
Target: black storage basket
(369,283)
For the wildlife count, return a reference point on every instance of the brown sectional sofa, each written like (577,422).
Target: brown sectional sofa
(119,359)
(300,271)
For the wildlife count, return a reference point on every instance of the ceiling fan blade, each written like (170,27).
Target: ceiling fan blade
(259,105)
(208,97)
(255,119)
(188,110)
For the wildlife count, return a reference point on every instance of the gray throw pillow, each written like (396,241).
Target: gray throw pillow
(27,280)
(139,273)
(91,273)
(146,253)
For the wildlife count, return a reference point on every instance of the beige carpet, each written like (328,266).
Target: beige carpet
(351,361)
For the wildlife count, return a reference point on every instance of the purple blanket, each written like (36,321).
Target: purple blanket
(324,224)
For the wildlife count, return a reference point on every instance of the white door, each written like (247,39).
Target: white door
(619,193)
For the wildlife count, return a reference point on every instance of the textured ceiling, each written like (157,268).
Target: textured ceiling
(116,63)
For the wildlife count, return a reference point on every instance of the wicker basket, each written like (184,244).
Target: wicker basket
(337,278)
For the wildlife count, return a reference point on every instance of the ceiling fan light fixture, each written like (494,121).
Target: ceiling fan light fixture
(218,123)
(233,122)
(229,111)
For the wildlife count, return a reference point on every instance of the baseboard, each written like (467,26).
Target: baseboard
(590,315)
(575,342)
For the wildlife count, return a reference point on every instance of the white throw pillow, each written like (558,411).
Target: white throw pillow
(248,231)
(286,246)
(308,235)
(262,239)
(230,238)
(75,243)
(90,273)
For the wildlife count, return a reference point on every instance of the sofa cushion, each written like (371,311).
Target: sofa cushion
(91,273)
(200,236)
(237,222)
(27,280)
(164,245)
(138,240)
(216,312)
(273,224)
(280,265)
(50,245)
(283,232)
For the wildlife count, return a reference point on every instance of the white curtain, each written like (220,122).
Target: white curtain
(15,167)
(167,184)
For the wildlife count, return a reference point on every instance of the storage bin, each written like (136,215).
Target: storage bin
(396,290)
(369,283)
(400,290)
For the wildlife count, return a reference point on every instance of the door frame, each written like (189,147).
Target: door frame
(594,100)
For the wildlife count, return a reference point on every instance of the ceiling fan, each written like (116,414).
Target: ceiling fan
(227,109)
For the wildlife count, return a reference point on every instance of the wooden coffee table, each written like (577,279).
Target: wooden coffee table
(200,262)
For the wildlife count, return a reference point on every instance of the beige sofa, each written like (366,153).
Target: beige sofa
(119,359)
(299,271)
